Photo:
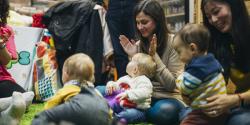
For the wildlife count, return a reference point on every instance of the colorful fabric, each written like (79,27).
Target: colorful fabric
(45,75)
(113,101)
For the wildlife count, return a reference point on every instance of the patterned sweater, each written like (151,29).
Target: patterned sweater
(201,79)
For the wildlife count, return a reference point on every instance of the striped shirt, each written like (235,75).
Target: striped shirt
(201,79)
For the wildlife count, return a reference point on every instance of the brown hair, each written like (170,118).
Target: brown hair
(197,34)
(220,44)
(153,9)
(4,12)
(146,64)
(80,67)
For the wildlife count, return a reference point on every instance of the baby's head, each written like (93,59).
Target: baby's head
(141,64)
(191,41)
(78,67)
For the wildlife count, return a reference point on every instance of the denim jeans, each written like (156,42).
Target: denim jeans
(162,112)
(184,112)
(239,116)
(101,89)
(120,22)
(131,115)
(165,111)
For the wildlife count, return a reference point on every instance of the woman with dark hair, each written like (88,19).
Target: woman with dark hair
(229,24)
(7,53)
(155,39)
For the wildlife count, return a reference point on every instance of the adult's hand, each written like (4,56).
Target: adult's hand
(4,38)
(219,104)
(5,33)
(153,46)
(186,99)
(108,64)
(130,47)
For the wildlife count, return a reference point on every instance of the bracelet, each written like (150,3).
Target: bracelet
(241,101)
(2,46)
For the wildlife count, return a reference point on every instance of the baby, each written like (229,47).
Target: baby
(130,95)
(78,70)
(202,77)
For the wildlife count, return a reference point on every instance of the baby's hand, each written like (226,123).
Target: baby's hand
(122,96)
(110,89)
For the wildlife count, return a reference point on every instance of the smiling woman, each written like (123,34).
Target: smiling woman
(219,15)
(229,24)
(153,35)
(145,24)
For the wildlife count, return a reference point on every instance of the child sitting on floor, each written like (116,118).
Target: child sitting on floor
(202,77)
(78,71)
(130,96)
(80,103)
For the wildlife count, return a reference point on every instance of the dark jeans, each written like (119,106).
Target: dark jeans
(8,87)
(239,116)
(162,112)
(132,115)
(120,21)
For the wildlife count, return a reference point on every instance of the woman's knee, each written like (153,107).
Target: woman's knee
(165,112)
(239,118)
(132,115)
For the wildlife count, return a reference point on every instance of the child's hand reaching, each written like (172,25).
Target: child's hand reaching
(121,96)
(110,88)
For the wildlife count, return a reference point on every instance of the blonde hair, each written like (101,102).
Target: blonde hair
(80,67)
(146,64)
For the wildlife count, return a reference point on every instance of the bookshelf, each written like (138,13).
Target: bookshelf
(175,13)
